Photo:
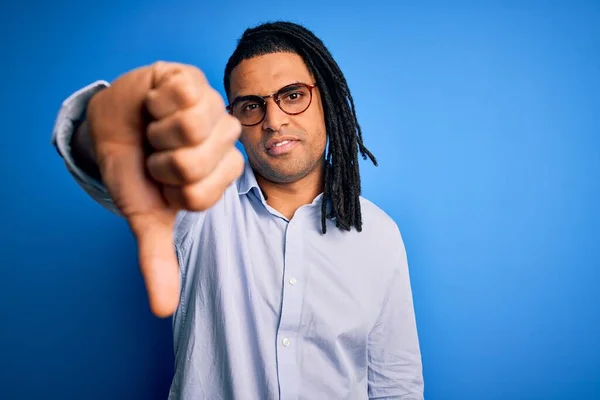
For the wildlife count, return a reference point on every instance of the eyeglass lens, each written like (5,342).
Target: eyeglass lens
(292,99)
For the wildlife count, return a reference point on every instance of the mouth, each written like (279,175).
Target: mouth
(279,146)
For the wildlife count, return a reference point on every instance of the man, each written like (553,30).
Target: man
(284,283)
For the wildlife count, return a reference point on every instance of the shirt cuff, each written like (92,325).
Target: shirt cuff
(71,112)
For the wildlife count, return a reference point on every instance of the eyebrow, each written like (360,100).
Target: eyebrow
(254,96)
(244,98)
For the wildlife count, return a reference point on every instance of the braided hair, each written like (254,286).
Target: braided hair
(342,186)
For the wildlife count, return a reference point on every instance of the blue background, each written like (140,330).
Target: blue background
(484,117)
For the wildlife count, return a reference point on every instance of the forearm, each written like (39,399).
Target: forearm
(395,366)
(82,150)
(69,138)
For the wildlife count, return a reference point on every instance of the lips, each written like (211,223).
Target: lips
(278,141)
(281,145)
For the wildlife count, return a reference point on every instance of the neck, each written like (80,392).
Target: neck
(288,197)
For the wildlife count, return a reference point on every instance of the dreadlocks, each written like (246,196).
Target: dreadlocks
(342,186)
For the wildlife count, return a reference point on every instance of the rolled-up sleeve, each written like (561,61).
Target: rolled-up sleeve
(71,112)
(395,367)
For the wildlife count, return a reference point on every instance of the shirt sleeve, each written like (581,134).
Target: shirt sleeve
(71,112)
(394,357)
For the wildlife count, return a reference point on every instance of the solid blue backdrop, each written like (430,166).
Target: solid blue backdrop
(484,118)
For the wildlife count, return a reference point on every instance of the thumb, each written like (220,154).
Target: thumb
(150,219)
(117,127)
(158,261)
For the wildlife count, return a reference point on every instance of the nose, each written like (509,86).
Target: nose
(275,118)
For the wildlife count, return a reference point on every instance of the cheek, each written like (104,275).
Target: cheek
(247,138)
(242,138)
(319,119)
(318,127)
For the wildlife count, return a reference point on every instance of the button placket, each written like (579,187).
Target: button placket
(291,310)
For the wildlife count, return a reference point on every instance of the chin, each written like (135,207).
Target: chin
(285,176)
(282,175)
(282,170)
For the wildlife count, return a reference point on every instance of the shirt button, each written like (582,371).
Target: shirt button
(286,342)
(293,281)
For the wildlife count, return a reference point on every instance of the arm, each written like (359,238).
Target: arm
(395,369)
(82,150)
(71,141)
(152,191)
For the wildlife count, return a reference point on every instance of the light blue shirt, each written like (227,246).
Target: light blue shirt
(272,308)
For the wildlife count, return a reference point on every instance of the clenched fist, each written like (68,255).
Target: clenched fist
(163,142)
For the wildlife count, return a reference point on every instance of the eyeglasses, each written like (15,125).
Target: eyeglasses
(292,99)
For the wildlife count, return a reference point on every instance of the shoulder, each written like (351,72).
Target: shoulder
(380,245)
(381,232)
(375,219)
(189,223)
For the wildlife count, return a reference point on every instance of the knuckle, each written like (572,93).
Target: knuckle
(216,99)
(231,128)
(153,133)
(158,66)
(156,70)
(153,164)
(180,166)
(188,167)
(190,126)
(185,93)
(193,200)
(150,98)
(186,127)
(197,73)
(162,71)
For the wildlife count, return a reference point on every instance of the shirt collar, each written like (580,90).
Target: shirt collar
(247,182)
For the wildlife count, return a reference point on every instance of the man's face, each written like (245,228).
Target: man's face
(305,132)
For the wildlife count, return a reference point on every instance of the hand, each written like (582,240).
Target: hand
(171,108)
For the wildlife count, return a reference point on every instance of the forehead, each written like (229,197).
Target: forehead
(266,74)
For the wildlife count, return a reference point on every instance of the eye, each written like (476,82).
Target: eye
(293,96)
(250,107)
